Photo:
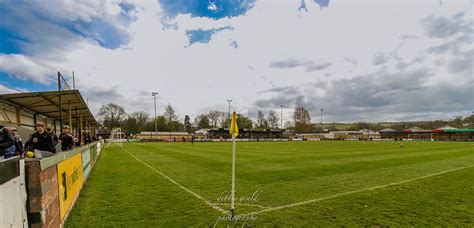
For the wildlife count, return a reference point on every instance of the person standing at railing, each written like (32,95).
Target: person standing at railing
(66,139)
(18,143)
(42,142)
(7,143)
(54,137)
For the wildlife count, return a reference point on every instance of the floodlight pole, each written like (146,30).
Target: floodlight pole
(281,116)
(73,81)
(60,104)
(281,121)
(229,100)
(156,124)
(322,119)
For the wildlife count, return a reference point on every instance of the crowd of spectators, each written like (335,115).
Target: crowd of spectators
(42,143)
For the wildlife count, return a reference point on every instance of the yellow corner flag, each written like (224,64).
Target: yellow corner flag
(234,129)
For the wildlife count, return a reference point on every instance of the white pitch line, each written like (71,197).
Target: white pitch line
(178,184)
(244,204)
(352,192)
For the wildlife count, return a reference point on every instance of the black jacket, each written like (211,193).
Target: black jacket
(45,142)
(18,145)
(6,140)
(67,141)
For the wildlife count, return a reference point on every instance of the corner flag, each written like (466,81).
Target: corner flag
(234,131)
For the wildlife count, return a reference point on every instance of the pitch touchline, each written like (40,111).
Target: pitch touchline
(352,192)
(178,184)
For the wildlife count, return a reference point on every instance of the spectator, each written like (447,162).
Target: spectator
(42,142)
(7,143)
(87,138)
(54,137)
(28,144)
(77,139)
(18,142)
(66,139)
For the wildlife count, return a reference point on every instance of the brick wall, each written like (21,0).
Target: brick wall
(42,188)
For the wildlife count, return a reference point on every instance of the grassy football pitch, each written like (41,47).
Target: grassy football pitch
(323,183)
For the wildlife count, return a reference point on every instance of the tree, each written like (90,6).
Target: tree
(176,126)
(130,125)
(244,122)
(170,113)
(457,122)
(302,120)
(261,121)
(112,115)
(136,122)
(273,119)
(173,123)
(214,117)
(468,121)
(188,127)
(141,118)
(360,126)
(225,120)
(202,121)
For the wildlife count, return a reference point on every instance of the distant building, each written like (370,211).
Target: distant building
(164,136)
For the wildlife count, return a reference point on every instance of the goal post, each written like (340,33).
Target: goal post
(115,138)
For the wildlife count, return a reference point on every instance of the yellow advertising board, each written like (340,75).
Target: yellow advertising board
(69,181)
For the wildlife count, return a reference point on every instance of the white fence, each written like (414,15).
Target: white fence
(13,193)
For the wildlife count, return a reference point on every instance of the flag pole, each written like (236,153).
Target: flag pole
(232,206)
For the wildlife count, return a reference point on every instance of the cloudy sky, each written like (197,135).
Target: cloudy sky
(362,60)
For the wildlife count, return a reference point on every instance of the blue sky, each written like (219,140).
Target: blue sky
(353,58)
(26,85)
(215,9)
(204,36)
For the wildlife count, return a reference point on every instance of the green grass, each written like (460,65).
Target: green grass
(122,191)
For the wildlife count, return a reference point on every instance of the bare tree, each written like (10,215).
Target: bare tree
(261,121)
(170,113)
(273,119)
(112,115)
(141,117)
(202,121)
(225,121)
(135,122)
(302,120)
(214,117)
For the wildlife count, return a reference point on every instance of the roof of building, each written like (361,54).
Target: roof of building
(367,131)
(346,132)
(48,104)
(388,130)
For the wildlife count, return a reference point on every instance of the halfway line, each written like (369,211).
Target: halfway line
(178,184)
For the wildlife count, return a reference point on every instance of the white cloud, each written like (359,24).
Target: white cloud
(347,34)
(4,89)
(25,67)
